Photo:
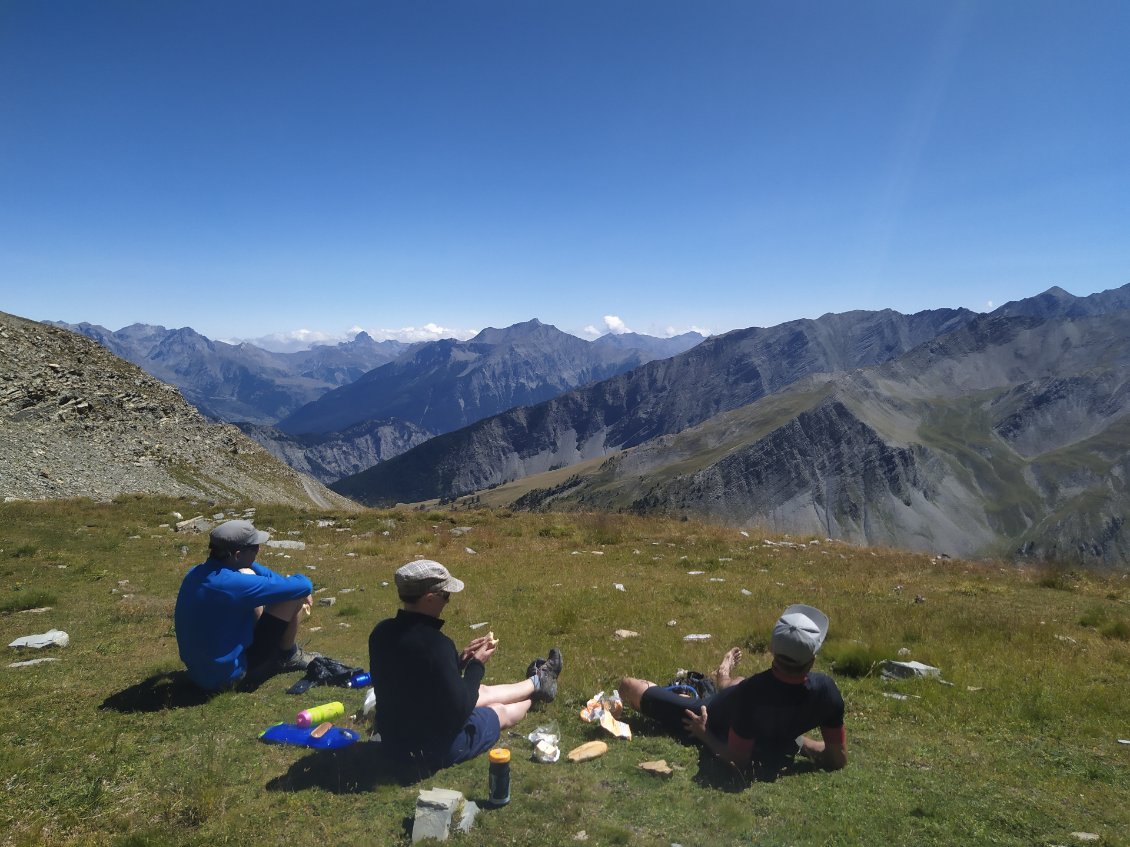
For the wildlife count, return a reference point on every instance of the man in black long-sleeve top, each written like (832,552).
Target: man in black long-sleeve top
(432,710)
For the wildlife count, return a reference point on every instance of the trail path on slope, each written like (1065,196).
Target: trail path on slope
(315,495)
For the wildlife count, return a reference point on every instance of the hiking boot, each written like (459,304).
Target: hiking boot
(299,661)
(555,661)
(547,684)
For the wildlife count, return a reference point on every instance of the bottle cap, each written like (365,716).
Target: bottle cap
(499,755)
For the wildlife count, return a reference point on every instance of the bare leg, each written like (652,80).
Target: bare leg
(723,676)
(502,695)
(632,689)
(509,714)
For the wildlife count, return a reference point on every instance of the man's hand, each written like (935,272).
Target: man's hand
(695,724)
(481,648)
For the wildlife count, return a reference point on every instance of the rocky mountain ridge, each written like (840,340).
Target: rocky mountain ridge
(78,421)
(1007,437)
(661,397)
(445,385)
(240,382)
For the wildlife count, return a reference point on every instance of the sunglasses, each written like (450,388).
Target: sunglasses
(444,595)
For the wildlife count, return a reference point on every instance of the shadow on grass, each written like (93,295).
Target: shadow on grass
(717,774)
(355,769)
(168,690)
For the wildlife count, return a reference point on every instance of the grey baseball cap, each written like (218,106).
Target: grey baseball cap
(799,633)
(237,534)
(424,576)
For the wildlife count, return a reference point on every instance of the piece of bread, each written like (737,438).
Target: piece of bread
(493,641)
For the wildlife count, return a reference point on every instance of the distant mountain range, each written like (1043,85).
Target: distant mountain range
(348,406)
(1004,434)
(240,382)
(1001,434)
(445,385)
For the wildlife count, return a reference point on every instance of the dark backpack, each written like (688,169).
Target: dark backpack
(324,671)
(692,684)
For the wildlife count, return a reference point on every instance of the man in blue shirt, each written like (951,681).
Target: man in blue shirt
(236,620)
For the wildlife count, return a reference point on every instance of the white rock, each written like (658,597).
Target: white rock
(287,545)
(619,586)
(697,636)
(51,638)
(625,633)
(30,662)
(908,670)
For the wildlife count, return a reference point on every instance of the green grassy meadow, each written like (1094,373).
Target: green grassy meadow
(107,746)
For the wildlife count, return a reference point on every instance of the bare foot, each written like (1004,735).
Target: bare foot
(726,666)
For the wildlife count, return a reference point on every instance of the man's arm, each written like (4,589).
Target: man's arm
(736,750)
(830,753)
(265,587)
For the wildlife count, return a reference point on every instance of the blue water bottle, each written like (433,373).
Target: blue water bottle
(359,680)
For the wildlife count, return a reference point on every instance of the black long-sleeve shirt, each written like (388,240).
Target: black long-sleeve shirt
(423,697)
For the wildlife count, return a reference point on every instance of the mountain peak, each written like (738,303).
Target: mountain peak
(532,328)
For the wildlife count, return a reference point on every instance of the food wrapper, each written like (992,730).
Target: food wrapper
(606,710)
(545,740)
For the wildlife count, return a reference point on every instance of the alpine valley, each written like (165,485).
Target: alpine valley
(959,433)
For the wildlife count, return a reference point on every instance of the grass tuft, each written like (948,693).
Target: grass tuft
(23,600)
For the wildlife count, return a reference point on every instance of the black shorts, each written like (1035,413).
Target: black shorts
(265,640)
(669,709)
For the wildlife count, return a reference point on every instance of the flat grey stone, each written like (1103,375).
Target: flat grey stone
(908,670)
(435,808)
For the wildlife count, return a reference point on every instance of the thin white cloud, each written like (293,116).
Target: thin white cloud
(427,332)
(304,339)
(989,305)
(591,331)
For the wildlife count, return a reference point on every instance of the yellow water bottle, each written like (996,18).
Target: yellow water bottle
(325,712)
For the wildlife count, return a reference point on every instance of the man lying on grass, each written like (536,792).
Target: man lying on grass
(757,723)
(432,711)
(237,620)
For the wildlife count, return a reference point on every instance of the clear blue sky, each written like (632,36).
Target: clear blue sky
(247,168)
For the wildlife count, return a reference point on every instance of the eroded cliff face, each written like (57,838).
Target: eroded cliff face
(79,422)
(826,472)
(331,456)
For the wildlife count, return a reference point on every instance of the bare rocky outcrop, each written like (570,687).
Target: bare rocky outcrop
(78,421)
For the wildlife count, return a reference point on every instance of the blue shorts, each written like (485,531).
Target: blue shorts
(478,735)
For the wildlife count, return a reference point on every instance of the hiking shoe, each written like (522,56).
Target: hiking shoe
(299,661)
(555,661)
(547,685)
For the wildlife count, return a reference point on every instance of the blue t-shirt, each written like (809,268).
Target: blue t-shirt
(215,617)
